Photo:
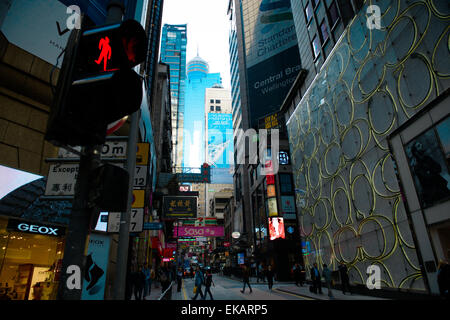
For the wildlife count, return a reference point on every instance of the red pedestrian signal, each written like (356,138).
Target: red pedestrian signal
(97,84)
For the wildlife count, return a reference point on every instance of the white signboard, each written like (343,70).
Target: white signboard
(111,149)
(136,221)
(61,179)
(38,27)
(140,176)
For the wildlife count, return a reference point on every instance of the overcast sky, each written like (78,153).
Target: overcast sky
(207,26)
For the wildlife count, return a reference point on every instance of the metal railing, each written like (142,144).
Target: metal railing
(167,294)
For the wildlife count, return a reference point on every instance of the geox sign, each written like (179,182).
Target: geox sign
(21,226)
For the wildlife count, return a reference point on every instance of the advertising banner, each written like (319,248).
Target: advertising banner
(220,147)
(213,231)
(276,228)
(287,204)
(240,257)
(96,267)
(272,57)
(272,205)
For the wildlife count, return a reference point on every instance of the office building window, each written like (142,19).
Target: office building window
(211,108)
(217,101)
(333,13)
(324,31)
(211,100)
(308,12)
(316,46)
(217,108)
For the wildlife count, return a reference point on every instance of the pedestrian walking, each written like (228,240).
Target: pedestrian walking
(327,277)
(164,278)
(443,279)
(137,280)
(246,278)
(179,278)
(199,280)
(260,273)
(269,276)
(315,277)
(147,282)
(208,282)
(298,274)
(345,281)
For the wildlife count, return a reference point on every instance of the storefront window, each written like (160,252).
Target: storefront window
(428,159)
(29,264)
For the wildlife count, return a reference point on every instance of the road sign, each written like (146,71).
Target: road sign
(111,149)
(153,226)
(138,199)
(136,221)
(61,179)
(140,176)
(142,153)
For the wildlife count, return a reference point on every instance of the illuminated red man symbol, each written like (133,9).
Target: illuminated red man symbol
(105,53)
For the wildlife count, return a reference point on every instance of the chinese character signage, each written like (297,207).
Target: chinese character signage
(180,207)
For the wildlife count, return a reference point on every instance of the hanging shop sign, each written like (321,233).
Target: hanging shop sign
(31,227)
(272,204)
(287,204)
(213,231)
(180,207)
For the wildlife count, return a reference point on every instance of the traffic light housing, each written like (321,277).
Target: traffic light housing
(97,84)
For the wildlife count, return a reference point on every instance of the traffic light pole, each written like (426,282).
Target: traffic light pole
(124,231)
(71,284)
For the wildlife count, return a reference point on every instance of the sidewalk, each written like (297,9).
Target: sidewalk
(337,294)
(289,287)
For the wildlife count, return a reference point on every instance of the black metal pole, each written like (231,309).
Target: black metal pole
(78,229)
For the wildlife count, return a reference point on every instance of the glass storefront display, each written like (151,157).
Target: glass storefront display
(30,260)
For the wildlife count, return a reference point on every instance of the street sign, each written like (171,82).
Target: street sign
(61,179)
(140,176)
(136,221)
(142,153)
(153,226)
(111,149)
(138,199)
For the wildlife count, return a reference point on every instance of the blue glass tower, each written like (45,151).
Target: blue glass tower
(173,53)
(198,79)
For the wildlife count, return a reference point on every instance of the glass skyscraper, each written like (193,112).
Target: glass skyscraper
(198,79)
(173,53)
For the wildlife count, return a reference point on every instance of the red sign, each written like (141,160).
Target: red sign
(270,179)
(226,244)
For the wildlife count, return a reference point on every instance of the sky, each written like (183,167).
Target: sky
(208,26)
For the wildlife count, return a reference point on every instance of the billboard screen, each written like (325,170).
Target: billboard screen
(220,147)
(276,228)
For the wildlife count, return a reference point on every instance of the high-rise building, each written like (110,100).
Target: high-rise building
(198,79)
(365,127)
(173,53)
(265,62)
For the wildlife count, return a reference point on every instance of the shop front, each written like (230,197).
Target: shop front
(30,259)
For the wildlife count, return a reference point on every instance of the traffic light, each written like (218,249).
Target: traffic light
(97,84)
